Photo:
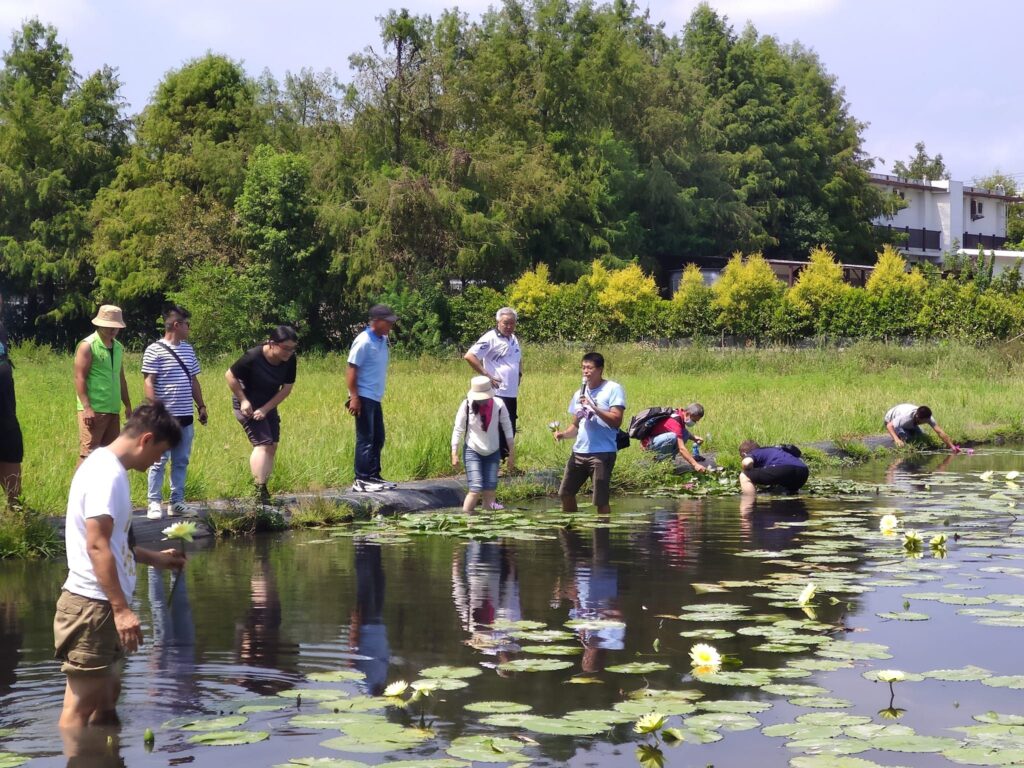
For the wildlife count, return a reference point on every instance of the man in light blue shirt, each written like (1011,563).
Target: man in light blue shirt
(366,377)
(597,409)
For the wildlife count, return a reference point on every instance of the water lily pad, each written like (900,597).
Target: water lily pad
(497,707)
(970,672)
(708,634)
(1005,681)
(429,762)
(12,760)
(904,616)
(487,749)
(794,689)
(638,667)
(534,665)
(331,720)
(228,738)
(215,723)
(542,635)
(439,684)
(552,650)
(1000,719)
(455,673)
(314,694)
(336,676)
(555,726)
(249,709)
(983,755)
(728,721)
(740,706)
(820,702)
(830,746)
(609,716)
(915,743)
(595,625)
(832,761)
(321,762)
(377,736)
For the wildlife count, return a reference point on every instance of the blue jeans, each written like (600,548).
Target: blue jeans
(664,446)
(481,469)
(179,458)
(369,439)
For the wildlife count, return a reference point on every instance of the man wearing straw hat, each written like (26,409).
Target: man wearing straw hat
(100,382)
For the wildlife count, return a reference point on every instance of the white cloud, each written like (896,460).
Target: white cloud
(63,14)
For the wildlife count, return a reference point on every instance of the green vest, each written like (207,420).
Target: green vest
(103,382)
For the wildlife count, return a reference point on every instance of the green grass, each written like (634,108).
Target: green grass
(768,395)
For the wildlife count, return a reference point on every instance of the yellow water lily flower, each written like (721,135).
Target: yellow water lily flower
(888,524)
(890,675)
(987,475)
(911,541)
(891,713)
(807,594)
(937,541)
(182,531)
(424,686)
(704,655)
(396,688)
(650,723)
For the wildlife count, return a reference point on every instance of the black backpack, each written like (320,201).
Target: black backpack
(640,426)
(791,449)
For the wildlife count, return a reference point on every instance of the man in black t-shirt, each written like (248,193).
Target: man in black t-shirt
(11,445)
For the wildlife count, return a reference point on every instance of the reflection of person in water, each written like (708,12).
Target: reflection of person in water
(764,520)
(594,592)
(95,747)
(368,635)
(909,473)
(10,646)
(485,588)
(172,654)
(258,640)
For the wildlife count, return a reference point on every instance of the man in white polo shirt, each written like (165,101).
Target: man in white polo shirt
(497,355)
(171,375)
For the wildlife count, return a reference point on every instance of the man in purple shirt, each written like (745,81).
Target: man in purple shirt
(771,466)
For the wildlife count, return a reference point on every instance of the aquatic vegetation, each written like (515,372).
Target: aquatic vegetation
(889,524)
(705,658)
(183,531)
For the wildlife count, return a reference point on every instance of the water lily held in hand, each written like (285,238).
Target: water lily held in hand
(888,524)
(554,425)
(396,688)
(181,531)
(704,656)
(807,594)
(652,722)
(912,541)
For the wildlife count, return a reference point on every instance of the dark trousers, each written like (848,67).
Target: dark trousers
(369,439)
(511,403)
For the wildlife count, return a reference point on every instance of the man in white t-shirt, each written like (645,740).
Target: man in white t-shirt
(497,356)
(94,625)
(903,422)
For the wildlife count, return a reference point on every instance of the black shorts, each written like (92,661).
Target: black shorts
(788,476)
(263,432)
(12,448)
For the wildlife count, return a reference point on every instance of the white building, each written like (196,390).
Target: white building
(944,214)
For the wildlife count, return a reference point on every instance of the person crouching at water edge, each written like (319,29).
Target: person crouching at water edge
(597,409)
(481,418)
(775,465)
(94,625)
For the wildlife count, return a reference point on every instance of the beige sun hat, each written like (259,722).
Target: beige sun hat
(480,389)
(109,316)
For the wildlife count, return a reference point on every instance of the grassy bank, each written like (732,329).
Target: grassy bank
(768,395)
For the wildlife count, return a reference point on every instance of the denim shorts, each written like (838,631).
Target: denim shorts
(481,470)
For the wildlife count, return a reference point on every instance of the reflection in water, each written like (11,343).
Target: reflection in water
(368,635)
(10,646)
(763,520)
(594,593)
(92,747)
(485,588)
(258,641)
(172,654)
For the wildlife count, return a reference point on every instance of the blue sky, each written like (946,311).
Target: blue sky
(943,71)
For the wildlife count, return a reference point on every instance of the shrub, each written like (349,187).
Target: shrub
(819,289)
(747,296)
(471,313)
(631,300)
(961,311)
(895,297)
(531,290)
(690,313)
(791,320)
(231,307)
(422,317)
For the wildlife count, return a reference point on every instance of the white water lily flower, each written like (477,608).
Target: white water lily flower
(888,524)
(912,541)
(424,686)
(704,655)
(649,723)
(807,594)
(554,425)
(937,541)
(396,688)
(1013,475)
(890,675)
(987,475)
(183,531)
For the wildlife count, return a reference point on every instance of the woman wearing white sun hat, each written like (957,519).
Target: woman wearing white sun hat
(480,417)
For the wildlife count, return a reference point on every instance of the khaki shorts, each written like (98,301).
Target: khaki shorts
(595,466)
(85,636)
(104,430)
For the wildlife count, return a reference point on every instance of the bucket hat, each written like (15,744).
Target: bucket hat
(109,316)
(480,388)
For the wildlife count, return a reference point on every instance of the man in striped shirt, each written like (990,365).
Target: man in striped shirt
(170,370)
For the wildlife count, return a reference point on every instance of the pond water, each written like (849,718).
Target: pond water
(297,635)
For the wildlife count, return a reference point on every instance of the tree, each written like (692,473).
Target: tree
(921,166)
(61,138)
(1014,211)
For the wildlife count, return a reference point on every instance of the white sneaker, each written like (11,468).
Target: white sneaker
(367,486)
(178,509)
(155,511)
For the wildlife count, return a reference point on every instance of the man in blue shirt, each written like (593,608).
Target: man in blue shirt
(596,409)
(775,465)
(366,376)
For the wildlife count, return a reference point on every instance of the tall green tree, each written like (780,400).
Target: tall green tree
(61,138)
(921,166)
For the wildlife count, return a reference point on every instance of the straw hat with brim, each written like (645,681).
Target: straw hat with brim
(480,389)
(109,316)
